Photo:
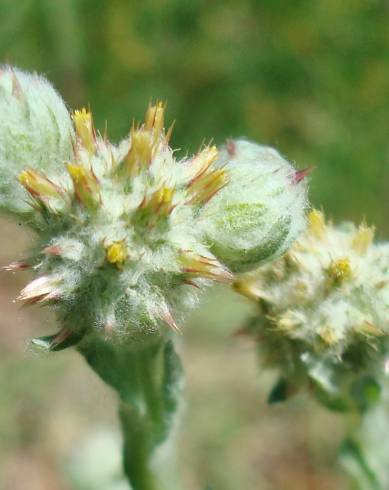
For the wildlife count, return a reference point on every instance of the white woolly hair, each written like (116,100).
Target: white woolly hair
(35,131)
(258,215)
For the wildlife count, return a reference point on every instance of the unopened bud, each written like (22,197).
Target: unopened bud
(35,132)
(260,212)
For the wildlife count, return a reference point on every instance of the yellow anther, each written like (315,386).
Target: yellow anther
(77,172)
(165,194)
(328,335)
(339,270)
(84,128)
(116,253)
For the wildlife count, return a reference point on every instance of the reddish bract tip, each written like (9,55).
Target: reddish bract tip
(17,90)
(61,337)
(301,174)
(16,266)
(40,290)
(191,283)
(52,250)
(167,317)
(231,147)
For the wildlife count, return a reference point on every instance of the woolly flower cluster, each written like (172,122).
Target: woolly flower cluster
(324,310)
(127,236)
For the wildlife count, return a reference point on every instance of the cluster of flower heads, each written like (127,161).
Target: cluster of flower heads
(127,236)
(324,311)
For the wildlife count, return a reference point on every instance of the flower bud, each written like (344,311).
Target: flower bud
(35,132)
(258,214)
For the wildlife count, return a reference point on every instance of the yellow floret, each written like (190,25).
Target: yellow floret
(116,253)
(340,270)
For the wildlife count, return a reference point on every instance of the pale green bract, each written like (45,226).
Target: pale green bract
(35,130)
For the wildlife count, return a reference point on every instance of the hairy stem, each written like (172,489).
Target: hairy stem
(136,450)
(148,382)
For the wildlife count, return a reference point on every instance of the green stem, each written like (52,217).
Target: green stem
(136,450)
(148,381)
(365,452)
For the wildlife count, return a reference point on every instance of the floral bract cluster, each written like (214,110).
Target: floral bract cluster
(127,235)
(324,309)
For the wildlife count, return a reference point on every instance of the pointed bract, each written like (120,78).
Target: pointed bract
(85,132)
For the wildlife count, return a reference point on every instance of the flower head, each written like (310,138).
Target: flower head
(324,308)
(119,249)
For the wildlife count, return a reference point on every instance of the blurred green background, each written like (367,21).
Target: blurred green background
(310,77)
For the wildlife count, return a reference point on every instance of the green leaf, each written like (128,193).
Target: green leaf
(366,392)
(58,341)
(280,392)
(334,401)
(171,384)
